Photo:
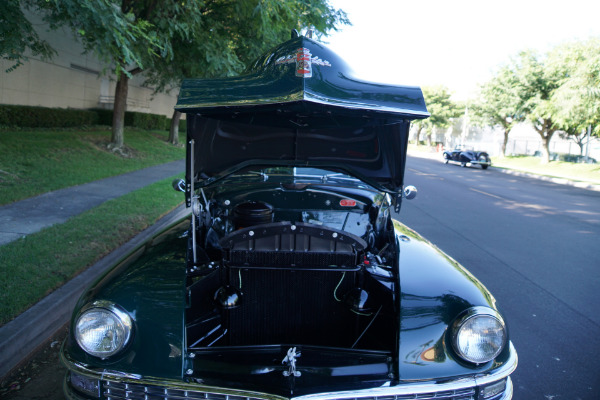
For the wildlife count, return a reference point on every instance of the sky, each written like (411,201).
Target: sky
(455,43)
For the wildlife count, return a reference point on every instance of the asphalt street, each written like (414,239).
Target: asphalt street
(534,244)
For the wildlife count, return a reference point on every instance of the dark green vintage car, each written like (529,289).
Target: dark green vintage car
(292,280)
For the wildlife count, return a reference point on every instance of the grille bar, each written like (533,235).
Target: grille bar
(127,391)
(132,391)
(291,259)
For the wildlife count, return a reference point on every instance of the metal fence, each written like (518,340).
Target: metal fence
(528,146)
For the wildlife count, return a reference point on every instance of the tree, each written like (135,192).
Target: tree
(120,39)
(128,36)
(232,35)
(577,99)
(498,104)
(18,38)
(442,109)
(535,86)
(135,36)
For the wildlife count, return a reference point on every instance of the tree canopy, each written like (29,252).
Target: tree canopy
(442,109)
(18,38)
(498,103)
(239,33)
(577,99)
(556,91)
(169,40)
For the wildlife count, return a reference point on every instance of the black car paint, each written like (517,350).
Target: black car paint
(468,157)
(427,299)
(182,294)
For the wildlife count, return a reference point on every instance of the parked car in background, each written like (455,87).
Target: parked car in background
(292,278)
(466,157)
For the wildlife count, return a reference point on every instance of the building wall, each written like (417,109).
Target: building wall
(73,79)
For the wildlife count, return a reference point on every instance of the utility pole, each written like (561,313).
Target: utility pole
(587,147)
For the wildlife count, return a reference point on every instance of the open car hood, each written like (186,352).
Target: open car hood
(298,105)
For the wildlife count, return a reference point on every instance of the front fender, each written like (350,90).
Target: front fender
(149,285)
(434,291)
(467,157)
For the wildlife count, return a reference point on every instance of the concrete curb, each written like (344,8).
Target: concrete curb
(22,336)
(560,181)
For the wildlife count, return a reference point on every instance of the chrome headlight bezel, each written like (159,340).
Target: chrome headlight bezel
(494,336)
(114,335)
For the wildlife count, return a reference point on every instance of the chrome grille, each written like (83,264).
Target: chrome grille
(462,394)
(127,391)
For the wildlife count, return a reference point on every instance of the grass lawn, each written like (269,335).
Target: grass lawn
(34,266)
(33,162)
(561,169)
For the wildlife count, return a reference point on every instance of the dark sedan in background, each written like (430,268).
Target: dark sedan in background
(466,157)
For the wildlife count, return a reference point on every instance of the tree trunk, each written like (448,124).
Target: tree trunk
(546,130)
(119,107)
(545,150)
(418,135)
(546,138)
(174,129)
(505,142)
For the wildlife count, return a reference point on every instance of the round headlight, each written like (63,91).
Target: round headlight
(479,335)
(103,329)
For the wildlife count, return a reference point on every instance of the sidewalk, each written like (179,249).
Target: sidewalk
(22,336)
(36,213)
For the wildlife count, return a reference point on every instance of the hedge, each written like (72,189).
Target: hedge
(139,120)
(43,117)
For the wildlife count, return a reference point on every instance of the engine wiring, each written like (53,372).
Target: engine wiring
(337,287)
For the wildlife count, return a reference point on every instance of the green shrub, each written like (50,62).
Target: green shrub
(182,125)
(145,121)
(133,119)
(43,117)
(104,116)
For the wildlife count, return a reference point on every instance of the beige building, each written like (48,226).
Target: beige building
(72,79)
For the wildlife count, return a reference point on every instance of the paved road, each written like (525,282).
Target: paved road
(535,245)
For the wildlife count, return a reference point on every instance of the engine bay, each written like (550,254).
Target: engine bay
(320,274)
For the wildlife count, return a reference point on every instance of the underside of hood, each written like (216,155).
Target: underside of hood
(373,154)
(298,105)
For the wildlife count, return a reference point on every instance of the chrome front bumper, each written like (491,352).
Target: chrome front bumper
(118,386)
(480,162)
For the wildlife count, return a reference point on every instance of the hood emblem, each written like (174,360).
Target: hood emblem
(304,61)
(290,360)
